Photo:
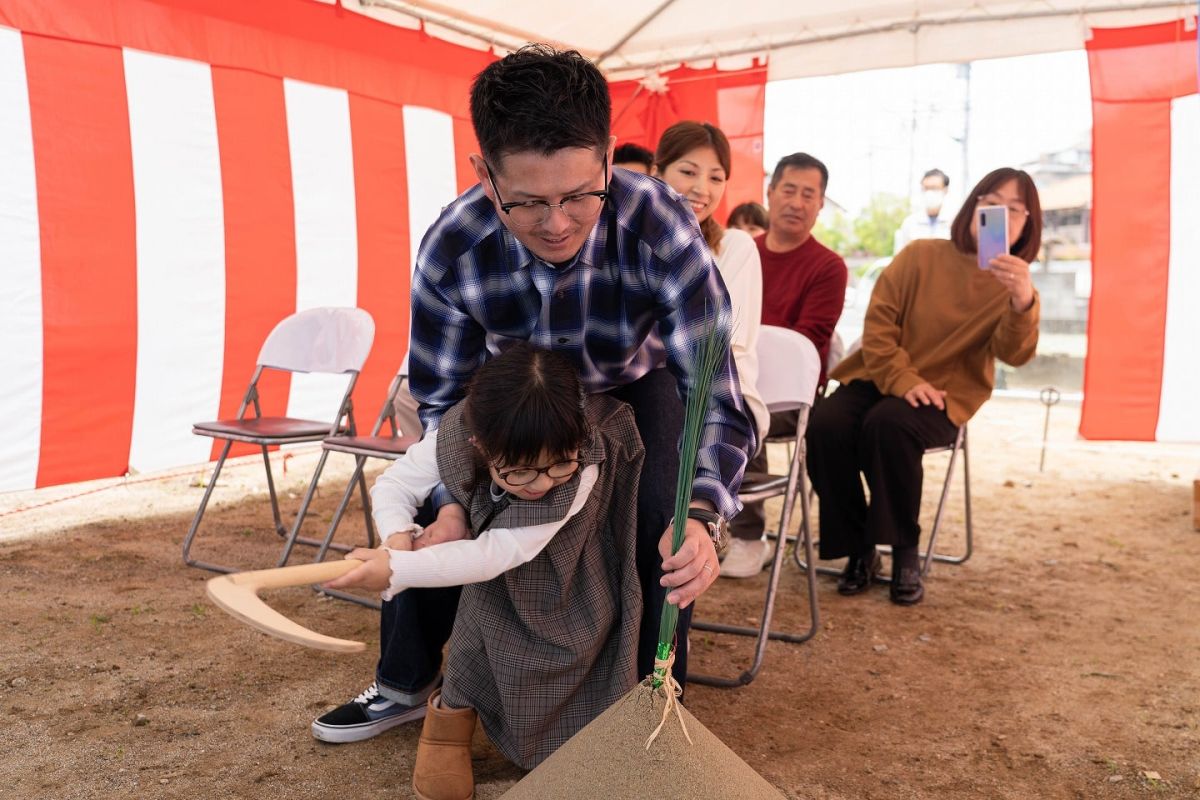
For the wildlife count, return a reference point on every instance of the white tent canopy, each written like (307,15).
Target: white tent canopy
(630,38)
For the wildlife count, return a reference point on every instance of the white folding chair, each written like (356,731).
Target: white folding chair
(789,370)
(319,340)
(387,445)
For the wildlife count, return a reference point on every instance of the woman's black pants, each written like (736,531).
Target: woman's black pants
(858,430)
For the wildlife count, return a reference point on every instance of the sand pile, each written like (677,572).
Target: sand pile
(608,759)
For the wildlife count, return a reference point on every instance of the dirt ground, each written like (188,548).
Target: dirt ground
(1062,661)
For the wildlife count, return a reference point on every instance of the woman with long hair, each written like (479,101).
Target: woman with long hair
(693,158)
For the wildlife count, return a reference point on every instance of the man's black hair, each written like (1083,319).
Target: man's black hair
(541,100)
(937,173)
(630,153)
(800,161)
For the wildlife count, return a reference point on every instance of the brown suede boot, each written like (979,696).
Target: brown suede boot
(443,767)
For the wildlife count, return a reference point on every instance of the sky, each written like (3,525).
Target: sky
(879,131)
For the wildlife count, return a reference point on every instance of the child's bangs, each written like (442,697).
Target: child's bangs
(533,431)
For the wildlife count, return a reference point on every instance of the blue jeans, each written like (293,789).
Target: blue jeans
(415,625)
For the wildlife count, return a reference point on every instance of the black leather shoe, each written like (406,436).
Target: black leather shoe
(907,588)
(856,577)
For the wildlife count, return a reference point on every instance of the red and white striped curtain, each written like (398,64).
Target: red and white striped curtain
(177,177)
(1142,374)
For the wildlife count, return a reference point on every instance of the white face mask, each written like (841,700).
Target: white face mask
(933,198)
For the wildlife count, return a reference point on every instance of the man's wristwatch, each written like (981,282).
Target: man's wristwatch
(718,528)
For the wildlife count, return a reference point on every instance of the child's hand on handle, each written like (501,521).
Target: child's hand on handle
(374,574)
(693,568)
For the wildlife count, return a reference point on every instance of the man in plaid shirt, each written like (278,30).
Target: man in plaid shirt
(605,266)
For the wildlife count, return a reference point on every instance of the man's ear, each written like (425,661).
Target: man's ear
(608,157)
(481,175)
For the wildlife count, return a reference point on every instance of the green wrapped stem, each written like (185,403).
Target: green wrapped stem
(710,353)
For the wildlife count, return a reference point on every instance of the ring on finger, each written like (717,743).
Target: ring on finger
(707,566)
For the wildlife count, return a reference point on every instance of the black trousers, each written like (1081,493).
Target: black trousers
(860,430)
(416,624)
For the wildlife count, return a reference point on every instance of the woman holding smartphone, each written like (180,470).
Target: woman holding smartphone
(934,327)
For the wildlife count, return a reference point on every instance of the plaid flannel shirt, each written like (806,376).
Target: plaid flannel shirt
(635,298)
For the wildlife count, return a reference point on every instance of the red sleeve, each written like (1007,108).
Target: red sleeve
(822,308)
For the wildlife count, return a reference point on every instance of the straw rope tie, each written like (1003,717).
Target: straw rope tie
(671,690)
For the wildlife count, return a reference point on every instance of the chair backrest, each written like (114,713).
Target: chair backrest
(788,368)
(400,407)
(330,340)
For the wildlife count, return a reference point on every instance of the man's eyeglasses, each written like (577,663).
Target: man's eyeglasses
(522,476)
(579,207)
(1016,209)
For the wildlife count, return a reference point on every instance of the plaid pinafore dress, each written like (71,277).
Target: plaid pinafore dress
(541,650)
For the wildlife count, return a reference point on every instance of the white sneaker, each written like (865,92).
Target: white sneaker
(746,558)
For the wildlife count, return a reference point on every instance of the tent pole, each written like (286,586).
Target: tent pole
(633,32)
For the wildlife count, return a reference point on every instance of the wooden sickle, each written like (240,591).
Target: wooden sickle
(237,594)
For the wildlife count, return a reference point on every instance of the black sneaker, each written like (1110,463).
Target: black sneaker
(367,715)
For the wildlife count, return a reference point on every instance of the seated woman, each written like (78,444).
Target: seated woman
(935,326)
(547,626)
(693,158)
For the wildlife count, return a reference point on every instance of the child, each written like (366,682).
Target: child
(547,627)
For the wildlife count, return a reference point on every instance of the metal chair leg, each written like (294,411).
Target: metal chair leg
(195,527)
(763,633)
(372,534)
(359,479)
(941,508)
(294,536)
(279,526)
(341,509)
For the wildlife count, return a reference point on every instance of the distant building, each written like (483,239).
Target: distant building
(1064,181)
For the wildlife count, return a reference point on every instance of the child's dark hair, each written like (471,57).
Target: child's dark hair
(750,213)
(526,402)
(542,100)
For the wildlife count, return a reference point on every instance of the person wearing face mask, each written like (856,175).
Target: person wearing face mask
(693,158)
(934,328)
(929,222)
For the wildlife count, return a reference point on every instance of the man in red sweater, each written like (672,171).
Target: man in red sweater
(804,288)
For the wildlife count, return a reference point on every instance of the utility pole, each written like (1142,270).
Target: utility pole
(964,72)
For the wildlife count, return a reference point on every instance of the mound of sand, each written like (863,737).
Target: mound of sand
(608,759)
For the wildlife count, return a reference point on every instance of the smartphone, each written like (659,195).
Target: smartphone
(993,233)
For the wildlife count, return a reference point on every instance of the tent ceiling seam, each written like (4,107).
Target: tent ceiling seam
(634,31)
(482,30)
